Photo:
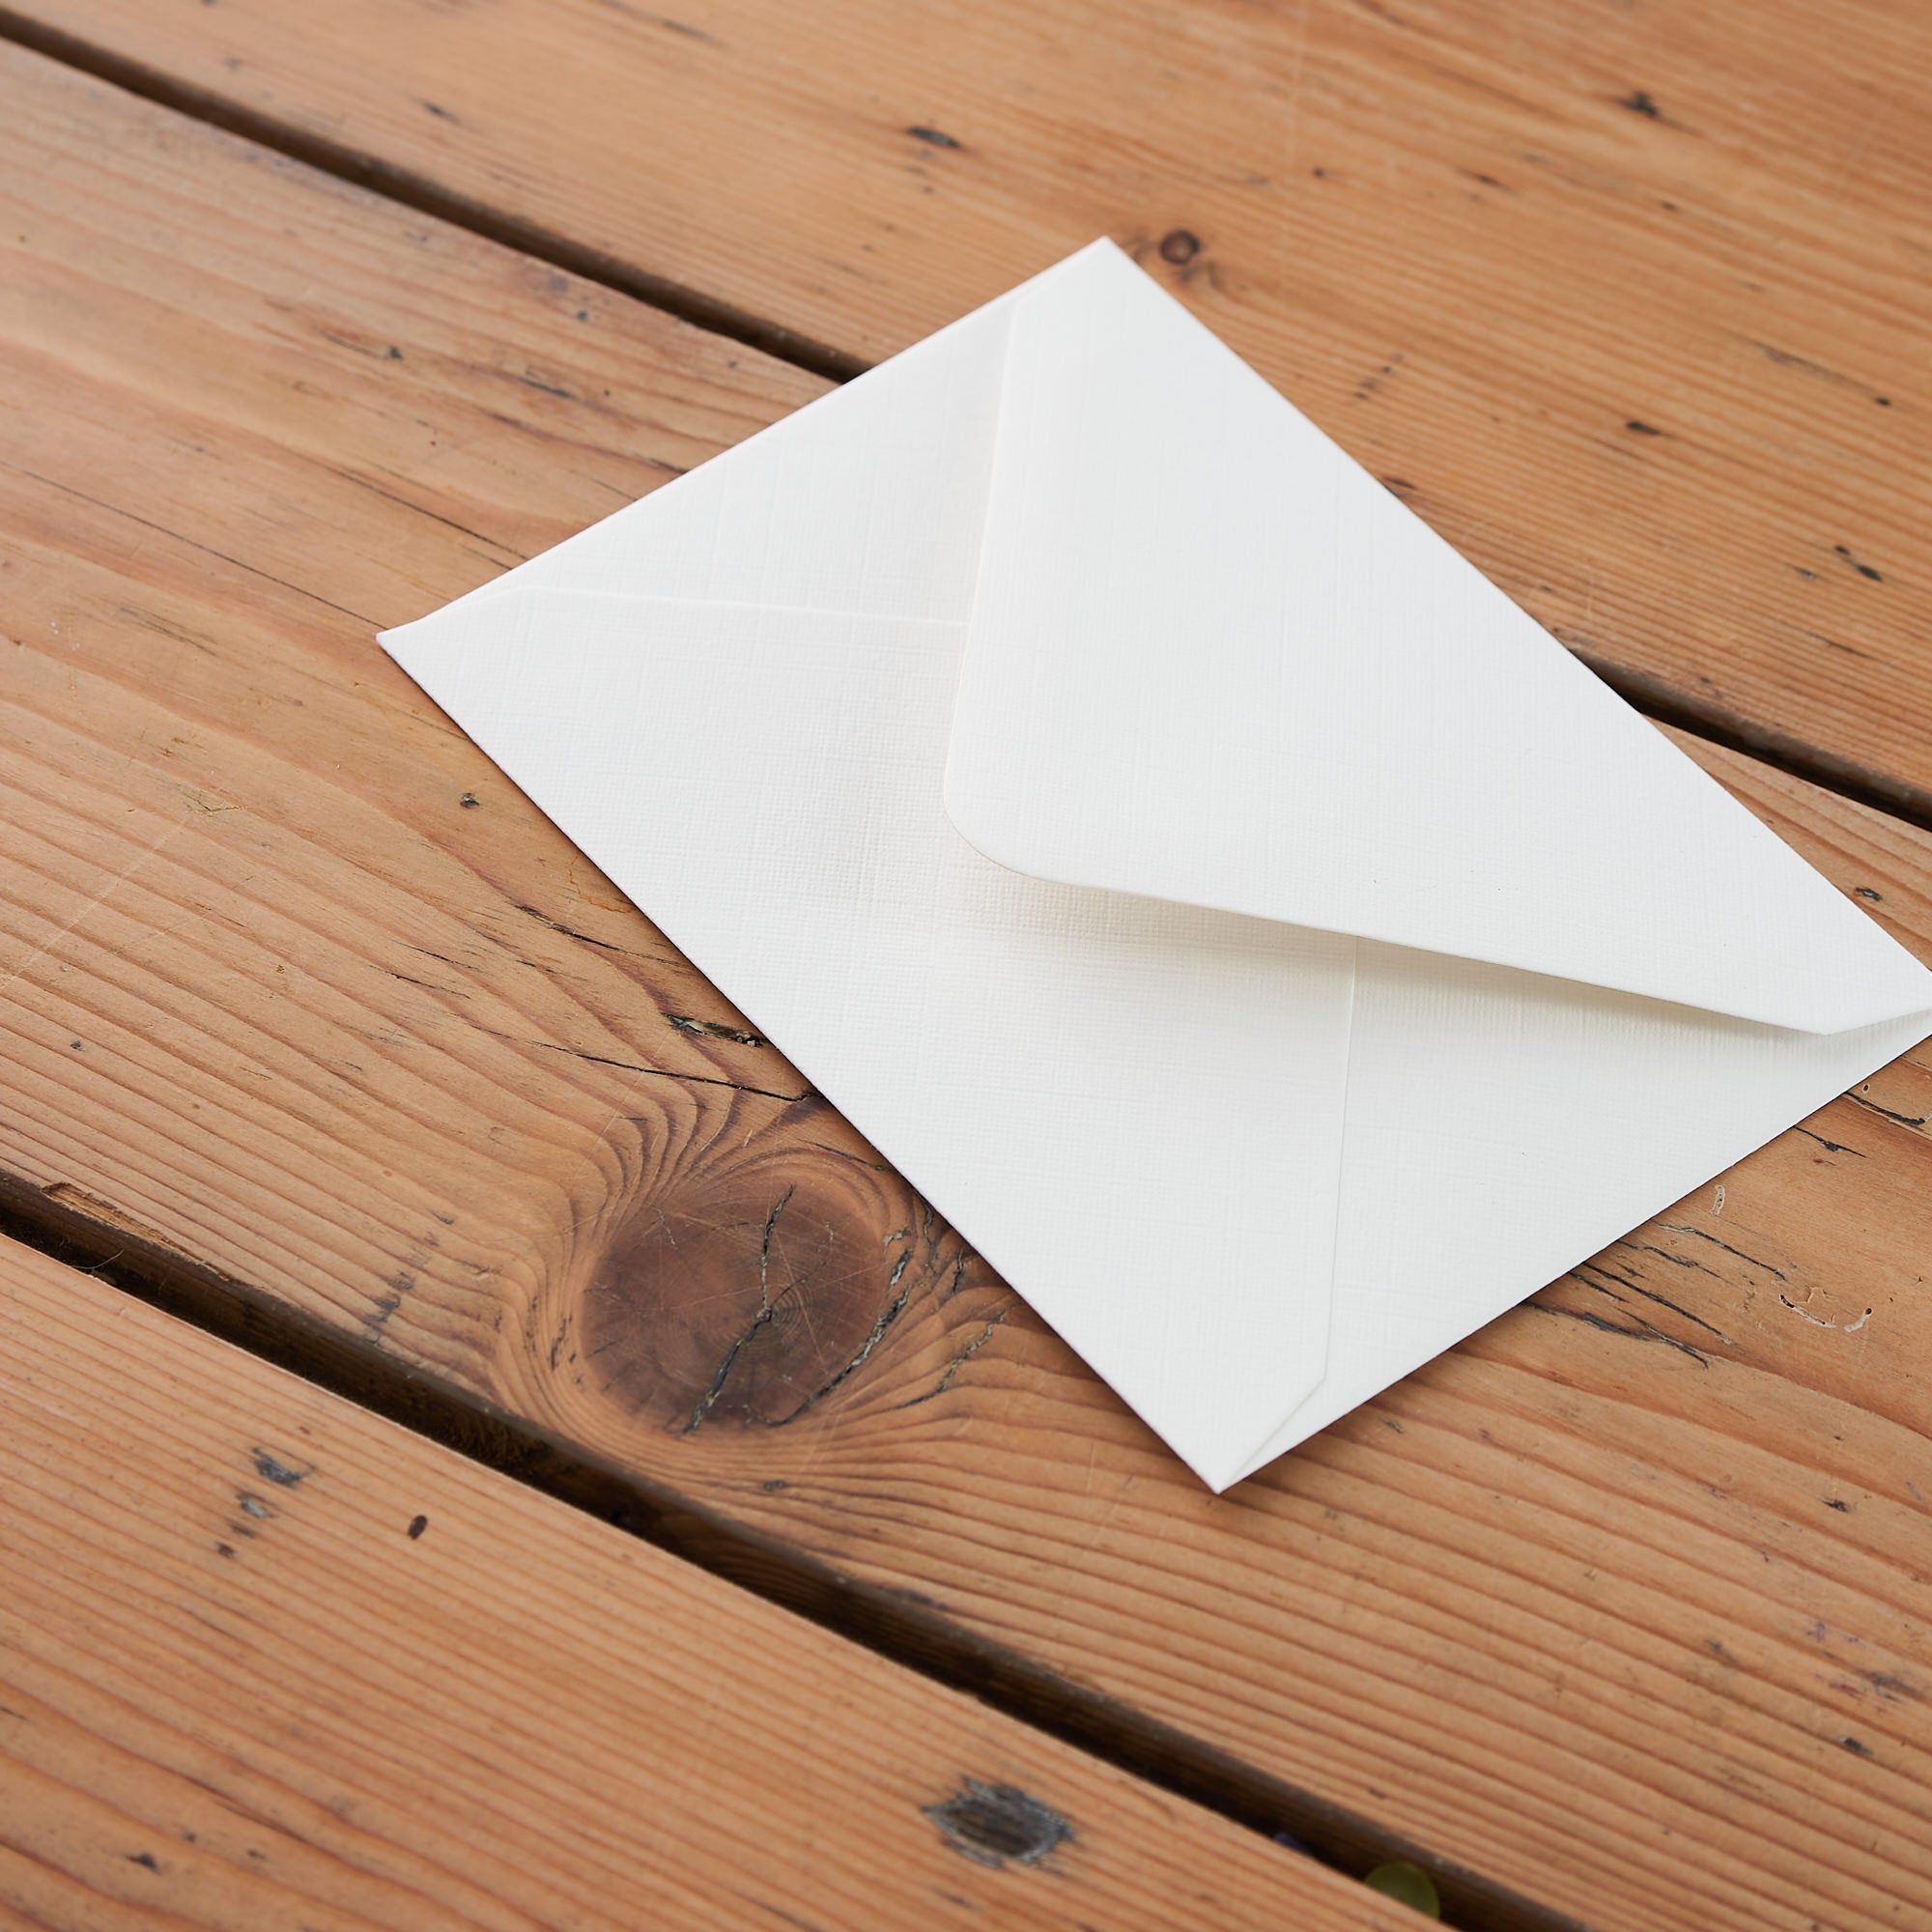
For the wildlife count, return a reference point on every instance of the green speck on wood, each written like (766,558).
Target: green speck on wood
(1407,1882)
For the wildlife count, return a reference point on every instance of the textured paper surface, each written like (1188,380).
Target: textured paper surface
(1213,659)
(1068,585)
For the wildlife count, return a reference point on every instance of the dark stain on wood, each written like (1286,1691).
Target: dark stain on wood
(999,1824)
(932,137)
(683,28)
(272,1470)
(1180,247)
(1373,382)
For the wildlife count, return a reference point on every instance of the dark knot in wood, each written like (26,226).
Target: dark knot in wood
(745,1297)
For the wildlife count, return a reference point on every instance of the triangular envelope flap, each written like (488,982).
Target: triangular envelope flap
(764,784)
(869,499)
(1212,659)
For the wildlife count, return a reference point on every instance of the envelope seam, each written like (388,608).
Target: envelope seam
(1250,1464)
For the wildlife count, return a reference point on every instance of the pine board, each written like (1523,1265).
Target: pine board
(270,1665)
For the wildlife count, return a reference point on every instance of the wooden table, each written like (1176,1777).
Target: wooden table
(512,1572)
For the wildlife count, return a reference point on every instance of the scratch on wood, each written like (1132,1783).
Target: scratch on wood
(958,1362)
(766,1311)
(1644,1331)
(1699,1233)
(1819,1321)
(716,1030)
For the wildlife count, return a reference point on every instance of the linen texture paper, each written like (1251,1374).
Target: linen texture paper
(1274,952)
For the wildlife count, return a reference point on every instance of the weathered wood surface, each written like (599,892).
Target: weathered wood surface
(1627,302)
(1619,1605)
(267,1661)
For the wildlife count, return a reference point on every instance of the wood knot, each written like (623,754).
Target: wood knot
(1180,247)
(745,1296)
(997,1824)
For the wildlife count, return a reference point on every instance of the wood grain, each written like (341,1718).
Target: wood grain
(1619,1606)
(1628,303)
(268,1662)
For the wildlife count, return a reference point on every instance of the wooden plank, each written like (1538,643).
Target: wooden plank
(1612,1607)
(1628,304)
(267,1660)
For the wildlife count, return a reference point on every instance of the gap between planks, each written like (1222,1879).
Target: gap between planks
(69,1228)
(1647,693)
(425,197)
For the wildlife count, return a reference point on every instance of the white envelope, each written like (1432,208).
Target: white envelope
(1266,945)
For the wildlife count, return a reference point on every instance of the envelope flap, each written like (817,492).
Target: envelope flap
(1211,659)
